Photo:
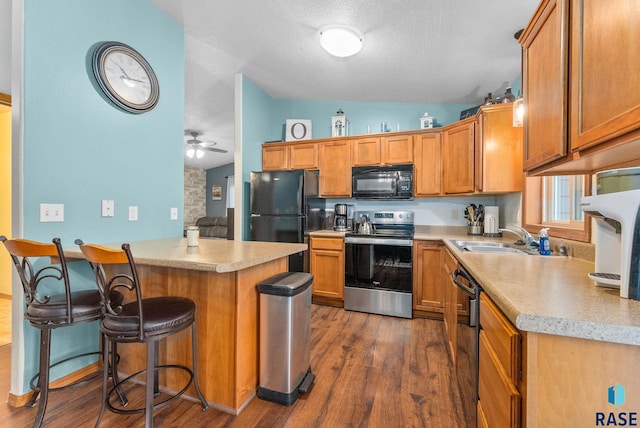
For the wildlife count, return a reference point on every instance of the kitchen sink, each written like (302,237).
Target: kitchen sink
(493,247)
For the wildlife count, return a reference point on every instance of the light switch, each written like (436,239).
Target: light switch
(51,213)
(174,213)
(108,208)
(133,213)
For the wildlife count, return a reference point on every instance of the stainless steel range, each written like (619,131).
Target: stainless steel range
(379,263)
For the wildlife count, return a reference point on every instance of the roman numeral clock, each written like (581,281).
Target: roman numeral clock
(125,77)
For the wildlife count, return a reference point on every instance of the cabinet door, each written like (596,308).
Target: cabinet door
(335,169)
(396,149)
(327,267)
(366,151)
(498,151)
(605,100)
(428,289)
(427,164)
(303,156)
(275,158)
(458,158)
(499,398)
(544,84)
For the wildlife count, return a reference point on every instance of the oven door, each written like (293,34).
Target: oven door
(382,264)
(378,276)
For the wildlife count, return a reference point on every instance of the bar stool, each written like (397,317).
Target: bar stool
(61,308)
(141,320)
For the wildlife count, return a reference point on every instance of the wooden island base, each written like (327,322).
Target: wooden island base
(227,315)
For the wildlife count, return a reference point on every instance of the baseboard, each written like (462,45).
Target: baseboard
(21,400)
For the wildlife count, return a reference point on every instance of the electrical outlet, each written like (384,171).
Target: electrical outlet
(108,208)
(174,213)
(133,213)
(454,214)
(51,213)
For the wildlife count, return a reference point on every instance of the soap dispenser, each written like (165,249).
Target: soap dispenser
(545,247)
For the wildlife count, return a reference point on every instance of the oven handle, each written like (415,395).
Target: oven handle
(378,241)
(471,291)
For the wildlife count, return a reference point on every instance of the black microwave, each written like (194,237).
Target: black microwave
(382,182)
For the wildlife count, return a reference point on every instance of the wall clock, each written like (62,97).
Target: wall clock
(126,77)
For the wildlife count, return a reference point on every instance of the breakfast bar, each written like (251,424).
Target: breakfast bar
(220,276)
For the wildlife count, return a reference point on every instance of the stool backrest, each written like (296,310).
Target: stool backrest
(25,255)
(108,280)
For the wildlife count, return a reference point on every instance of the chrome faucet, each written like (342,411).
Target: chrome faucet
(525,238)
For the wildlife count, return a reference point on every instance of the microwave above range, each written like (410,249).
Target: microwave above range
(382,182)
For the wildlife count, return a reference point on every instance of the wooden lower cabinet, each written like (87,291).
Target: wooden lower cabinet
(432,268)
(428,287)
(326,260)
(500,368)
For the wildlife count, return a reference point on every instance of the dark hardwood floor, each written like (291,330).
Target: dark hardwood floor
(371,371)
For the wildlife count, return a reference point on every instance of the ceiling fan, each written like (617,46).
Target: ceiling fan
(195,147)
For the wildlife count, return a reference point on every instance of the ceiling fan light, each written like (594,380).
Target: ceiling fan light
(199,153)
(341,42)
(191,152)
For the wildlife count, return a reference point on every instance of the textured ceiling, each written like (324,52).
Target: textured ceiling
(425,51)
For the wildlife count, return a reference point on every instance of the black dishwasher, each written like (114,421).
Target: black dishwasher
(467,348)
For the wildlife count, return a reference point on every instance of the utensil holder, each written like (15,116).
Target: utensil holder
(474,230)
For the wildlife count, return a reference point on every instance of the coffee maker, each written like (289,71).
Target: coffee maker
(343,217)
(617,232)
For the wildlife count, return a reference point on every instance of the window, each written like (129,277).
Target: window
(554,202)
(231,196)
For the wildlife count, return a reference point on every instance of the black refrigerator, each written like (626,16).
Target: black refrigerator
(280,204)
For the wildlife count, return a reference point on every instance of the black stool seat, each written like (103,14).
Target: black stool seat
(85,306)
(162,316)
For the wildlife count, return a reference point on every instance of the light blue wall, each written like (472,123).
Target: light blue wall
(362,116)
(217,176)
(80,149)
(257,125)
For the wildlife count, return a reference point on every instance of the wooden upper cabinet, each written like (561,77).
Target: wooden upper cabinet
(498,151)
(365,151)
(396,149)
(427,161)
(387,150)
(275,158)
(335,169)
(278,157)
(303,156)
(544,84)
(580,83)
(458,158)
(605,100)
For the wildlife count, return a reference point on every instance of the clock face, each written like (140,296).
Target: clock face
(125,77)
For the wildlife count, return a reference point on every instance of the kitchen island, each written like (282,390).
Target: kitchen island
(221,277)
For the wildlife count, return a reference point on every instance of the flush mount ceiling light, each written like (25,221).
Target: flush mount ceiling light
(340,41)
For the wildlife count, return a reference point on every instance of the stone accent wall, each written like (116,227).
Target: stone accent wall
(194,195)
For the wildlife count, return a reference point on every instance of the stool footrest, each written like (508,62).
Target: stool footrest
(157,405)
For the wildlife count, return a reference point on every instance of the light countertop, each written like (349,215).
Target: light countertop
(215,255)
(545,294)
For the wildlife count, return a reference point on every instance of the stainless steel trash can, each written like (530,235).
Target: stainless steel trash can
(285,337)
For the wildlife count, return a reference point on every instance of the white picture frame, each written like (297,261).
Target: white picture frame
(297,129)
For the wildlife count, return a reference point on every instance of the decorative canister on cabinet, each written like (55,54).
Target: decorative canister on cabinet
(339,124)
(426,121)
